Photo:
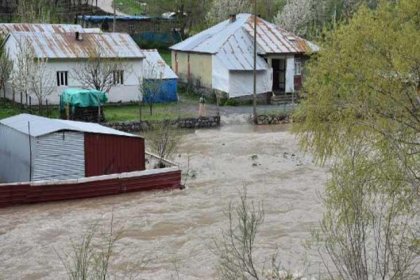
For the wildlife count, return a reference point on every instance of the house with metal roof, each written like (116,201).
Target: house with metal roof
(69,53)
(221,58)
(34,148)
(160,76)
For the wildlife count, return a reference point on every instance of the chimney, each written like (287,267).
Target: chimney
(232,18)
(79,36)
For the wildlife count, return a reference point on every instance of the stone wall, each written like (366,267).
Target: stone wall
(136,126)
(273,119)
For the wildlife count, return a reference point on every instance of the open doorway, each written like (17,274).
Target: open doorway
(279,75)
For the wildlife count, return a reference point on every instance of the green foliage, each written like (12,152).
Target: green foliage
(362,112)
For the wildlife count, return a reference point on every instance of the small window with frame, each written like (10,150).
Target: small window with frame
(298,67)
(118,77)
(62,78)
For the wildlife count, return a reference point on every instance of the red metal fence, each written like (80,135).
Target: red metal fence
(13,194)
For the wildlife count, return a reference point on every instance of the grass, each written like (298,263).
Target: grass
(130,7)
(8,109)
(117,112)
(166,55)
(130,112)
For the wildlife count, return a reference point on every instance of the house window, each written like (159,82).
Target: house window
(131,28)
(62,78)
(298,67)
(118,77)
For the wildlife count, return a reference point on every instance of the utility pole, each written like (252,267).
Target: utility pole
(114,22)
(255,65)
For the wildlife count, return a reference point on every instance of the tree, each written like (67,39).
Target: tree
(40,11)
(308,17)
(31,75)
(99,72)
(152,82)
(221,9)
(236,247)
(163,140)
(41,80)
(6,69)
(20,77)
(362,112)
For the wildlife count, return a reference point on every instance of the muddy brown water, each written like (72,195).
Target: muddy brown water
(173,230)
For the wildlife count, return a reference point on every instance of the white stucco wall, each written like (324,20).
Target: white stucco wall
(241,83)
(133,69)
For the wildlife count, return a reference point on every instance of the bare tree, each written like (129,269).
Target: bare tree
(236,247)
(99,72)
(90,257)
(151,85)
(163,140)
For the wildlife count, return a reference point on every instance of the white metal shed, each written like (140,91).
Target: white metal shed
(35,148)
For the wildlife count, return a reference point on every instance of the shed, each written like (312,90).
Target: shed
(157,72)
(34,148)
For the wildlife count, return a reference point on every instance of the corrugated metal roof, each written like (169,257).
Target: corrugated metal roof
(6,28)
(152,58)
(270,38)
(65,45)
(237,53)
(42,126)
(274,39)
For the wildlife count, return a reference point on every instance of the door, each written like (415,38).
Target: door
(279,75)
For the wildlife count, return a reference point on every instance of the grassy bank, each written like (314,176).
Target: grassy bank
(116,112)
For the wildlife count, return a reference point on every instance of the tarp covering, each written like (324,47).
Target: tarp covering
(167,92)
(76,97)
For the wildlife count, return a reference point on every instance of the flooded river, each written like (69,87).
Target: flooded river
(174,229)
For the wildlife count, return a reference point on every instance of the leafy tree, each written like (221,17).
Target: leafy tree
(362,112)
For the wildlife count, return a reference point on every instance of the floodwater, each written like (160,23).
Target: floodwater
(174,230)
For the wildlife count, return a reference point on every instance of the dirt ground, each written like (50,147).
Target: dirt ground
(174,229)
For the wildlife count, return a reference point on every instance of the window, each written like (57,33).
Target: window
(62,78)
(298,67)
(131,29)
(118,77)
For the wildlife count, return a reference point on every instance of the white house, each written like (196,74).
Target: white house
(221,57)
(67,53)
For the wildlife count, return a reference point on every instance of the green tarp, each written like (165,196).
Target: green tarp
(76,97)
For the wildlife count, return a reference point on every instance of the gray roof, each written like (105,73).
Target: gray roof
(271,39)
(40,126)
(152,59)
(6,28)
(65,45)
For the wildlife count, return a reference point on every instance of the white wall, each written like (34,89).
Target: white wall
(14,155)
(220,75)
(290,74)
(242,82)
(133,69)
